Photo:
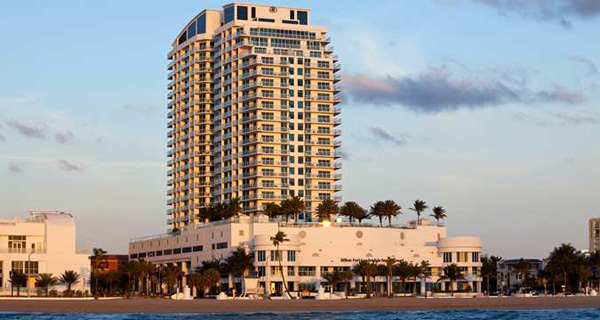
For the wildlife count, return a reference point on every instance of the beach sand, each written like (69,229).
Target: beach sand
(289,306)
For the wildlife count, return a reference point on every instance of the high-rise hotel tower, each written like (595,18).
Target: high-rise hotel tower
(252,110)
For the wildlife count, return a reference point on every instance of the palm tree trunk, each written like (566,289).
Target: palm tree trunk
(283,274)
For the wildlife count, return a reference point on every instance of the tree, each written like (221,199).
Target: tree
(595,261)
(403,270)
(523,266)
(17,279)
(279,238)
(389,264)
(46,281)
(69,278)
(346,277)
(239,262)
(489,269)
(333,278)
(112,277)
(292,207)
(561,261)
(366,269)
(131,268)
(272,210)
(233,208)
(205,280)
(98,256)
(419,206)
(350,210)
(377,211)
(452,273)
(327,209)
(361,215)
(391,209)
(439,213)
(205,214)
(171,276)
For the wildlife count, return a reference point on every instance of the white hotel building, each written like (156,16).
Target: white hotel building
(253,115)
(313,249)
(43,243)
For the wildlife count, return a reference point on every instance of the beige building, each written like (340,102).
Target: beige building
(45,242)
(315,249)
(253,97)
(594,234)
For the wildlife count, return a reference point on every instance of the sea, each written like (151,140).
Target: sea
(563,314)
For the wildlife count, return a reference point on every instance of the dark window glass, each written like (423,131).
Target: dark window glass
(186,250)
(198,248)
(201,25)
(133,256)
(292,14)
(142,255)
(191,31)
(182,38)
(253,12)
(159,253)
(303,17)
(168,252)
(229,14)
(177,251)
(242,13)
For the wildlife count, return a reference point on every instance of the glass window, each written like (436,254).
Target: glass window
(201,24)
(475,256)
(291,271)
(229,14)
(191,30)
(242,13)
(303,17)
(261,271)
(447,257)
(275,255)
(261,255)
(291,255)
(307,271)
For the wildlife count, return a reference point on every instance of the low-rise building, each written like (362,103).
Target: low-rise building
(510,278)
(594,234)
(45,242)
(111,262)
(314,249)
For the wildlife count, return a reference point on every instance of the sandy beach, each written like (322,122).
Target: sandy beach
(295,306)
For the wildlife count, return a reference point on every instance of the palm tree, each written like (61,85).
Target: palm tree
(69,278)
(561,261)
(489,269)
(17,279)
(523,267)
(346,277)
(389,265)
(171,276)
(46,281)
(350,209)
(98,256)
(239,262)
(218,211)
(419,206)
(377,211)
(391,209)
(292,206)
(333,278)
(595,261)
(439,213)
(279,238)
(327,209)
(233,208)
(205,214)
(131,268)
(452,273)
(421,271)
(403,270)
(272,210)
(112,276)
(366,269)
(361,215)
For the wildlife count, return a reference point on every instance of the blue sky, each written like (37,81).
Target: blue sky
(487,107)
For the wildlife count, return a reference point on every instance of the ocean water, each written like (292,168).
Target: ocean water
(574,314)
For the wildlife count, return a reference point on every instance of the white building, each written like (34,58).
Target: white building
(43,243)
(314,249)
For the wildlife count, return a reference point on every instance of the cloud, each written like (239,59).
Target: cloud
(574,119)
(561,11)
(386,136)
(64,137)
(2,137)
(560,94)
(436,89)
(68,166)
(14,167)
(27,130)
(590,66)
(560,119)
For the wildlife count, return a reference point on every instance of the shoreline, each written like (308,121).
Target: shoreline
(166,306)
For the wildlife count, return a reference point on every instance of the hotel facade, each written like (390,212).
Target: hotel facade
(254,116)
(252,110)
(45,242)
